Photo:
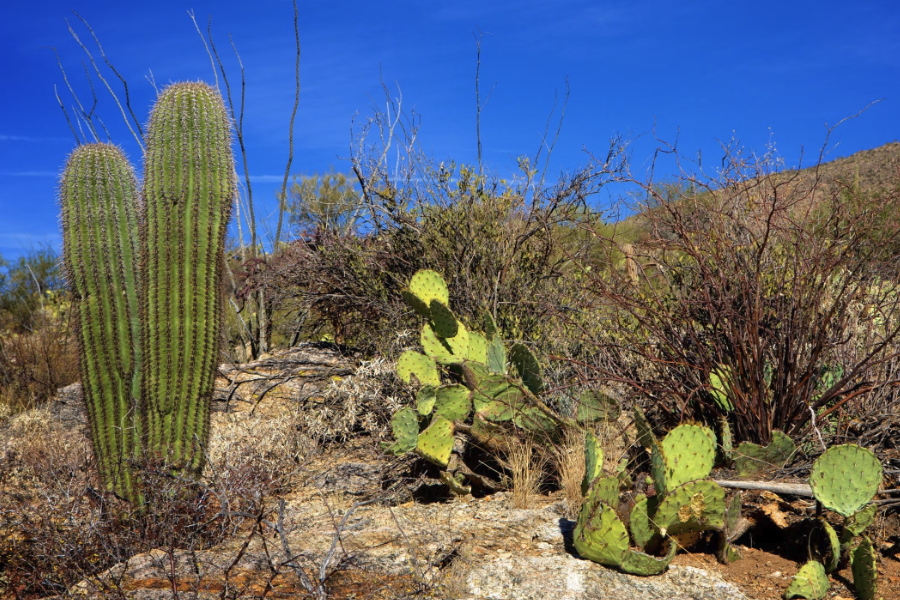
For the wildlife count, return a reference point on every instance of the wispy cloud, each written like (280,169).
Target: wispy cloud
(29,174)
(28,138)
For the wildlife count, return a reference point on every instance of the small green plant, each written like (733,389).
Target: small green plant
(145,272)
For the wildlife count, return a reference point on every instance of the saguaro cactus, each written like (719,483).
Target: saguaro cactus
(99,200)
(146,277)
(188,188)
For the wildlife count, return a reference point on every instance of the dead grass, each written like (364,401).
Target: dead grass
(569,459)
(527,461)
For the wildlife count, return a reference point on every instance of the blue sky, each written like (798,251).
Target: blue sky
(707,70)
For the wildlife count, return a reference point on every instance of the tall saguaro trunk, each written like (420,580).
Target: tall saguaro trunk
(100,206)
(188,189)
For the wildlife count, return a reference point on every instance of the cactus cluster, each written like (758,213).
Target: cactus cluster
(686,501)
(145,274)
(469,386)
(844,479)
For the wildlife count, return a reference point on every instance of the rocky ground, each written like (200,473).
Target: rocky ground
(356,524)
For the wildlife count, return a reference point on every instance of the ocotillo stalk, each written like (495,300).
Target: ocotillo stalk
(99,199)
(189,185)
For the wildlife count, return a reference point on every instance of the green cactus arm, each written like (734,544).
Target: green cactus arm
(99,199)
(189,186)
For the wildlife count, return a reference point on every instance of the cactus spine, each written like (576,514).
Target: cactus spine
(99,199)
(145,276)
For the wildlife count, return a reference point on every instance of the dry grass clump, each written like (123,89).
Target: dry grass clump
(527,461)
(568,457)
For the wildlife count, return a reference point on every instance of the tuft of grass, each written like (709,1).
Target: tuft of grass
(527,462)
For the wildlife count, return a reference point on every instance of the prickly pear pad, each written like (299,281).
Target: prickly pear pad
(425,399)
(859,521)
(478,348)
(599,534)
(645,435)
(751,458)
(459,343)
(527,367)
(428,285)
(453,402)
(444,321)
(405,425)
(658,469)
(496,356)
(832,554)
(690,451)
(593,461)
(437,348)
(416,304)
(865,570)
(638,563)
(695,506)
(641,521)
(423,367)
(810,582)
(845,478)
(436,442)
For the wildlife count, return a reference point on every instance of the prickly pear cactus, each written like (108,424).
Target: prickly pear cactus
(865,570)
(593,461)
(599,534)
(642,527)
(638,563)
(810,582)
(720,386)
(845,478)
(645,436)
(486,396)
(750,458)
(689,451)
(405,425)
(695,506)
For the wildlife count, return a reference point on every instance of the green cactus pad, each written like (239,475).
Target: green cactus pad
(750,458)
(437,348)
(423,367)
(645,435)
(605,489)
(593,461)
(733,512)
(865,570)
(810,582)
(858,522)
(490,326)
(845,478)
(436,443)
(443,320)
(478,348)
(641,521)
(831,553)
(416,304)
(527,367)
(486,387)
(425,399)
(599,534)
(658,469)
(638,563)
(456,482)
(506,403)
(405,425)
(596,406)
(726,448)
(459,343)
(453,402)
(690,451)
(428,285)
(535,420)
(720,384)
(695,506)
(496,356)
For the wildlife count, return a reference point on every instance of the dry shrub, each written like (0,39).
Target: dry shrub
(56,529)
(33,365)
(361,403)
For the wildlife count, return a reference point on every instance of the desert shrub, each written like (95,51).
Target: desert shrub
(37,349)
(778,281)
